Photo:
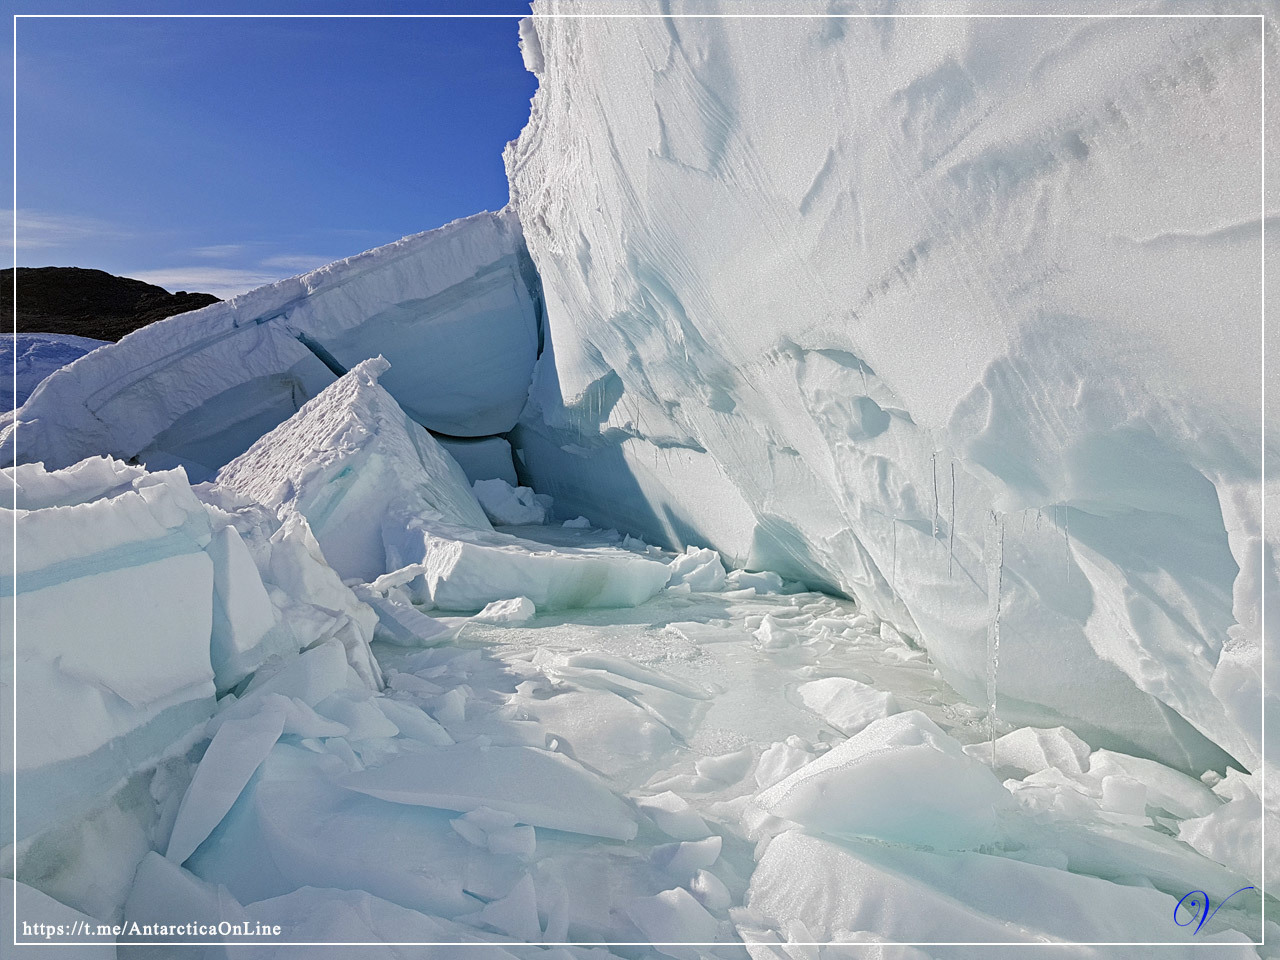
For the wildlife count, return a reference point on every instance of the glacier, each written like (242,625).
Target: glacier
(824,505)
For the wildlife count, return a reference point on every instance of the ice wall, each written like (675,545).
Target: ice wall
(455,309)
(825,293)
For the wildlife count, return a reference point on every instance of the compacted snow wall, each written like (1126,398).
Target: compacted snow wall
(961,317)
(454,310)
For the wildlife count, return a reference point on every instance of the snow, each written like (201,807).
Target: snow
(991,277)
(516,610)
(32,357)
(846,704)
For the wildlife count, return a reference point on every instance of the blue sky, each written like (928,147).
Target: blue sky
(217,155)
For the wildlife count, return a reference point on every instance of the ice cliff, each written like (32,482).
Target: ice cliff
(825,294)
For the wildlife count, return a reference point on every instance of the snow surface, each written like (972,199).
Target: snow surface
(32,357)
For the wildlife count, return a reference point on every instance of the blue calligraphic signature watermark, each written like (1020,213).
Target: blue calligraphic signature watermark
(1197,904)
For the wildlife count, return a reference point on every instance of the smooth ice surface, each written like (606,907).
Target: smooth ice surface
(352,462)
(900,778)
(31,357)
(484,458)
(458,568)
(234,754)
(454,309)
(914,896)
(536,787)
(34,907)
(821,294)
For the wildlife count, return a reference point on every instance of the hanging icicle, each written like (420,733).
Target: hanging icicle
(933,463)
(893,573)
(1066,537)
(951,534)
(993,560)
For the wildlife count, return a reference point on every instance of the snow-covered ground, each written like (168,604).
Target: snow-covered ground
(824,506)
(32,357)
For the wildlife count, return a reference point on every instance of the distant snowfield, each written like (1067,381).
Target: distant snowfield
(466,590)
(32,357)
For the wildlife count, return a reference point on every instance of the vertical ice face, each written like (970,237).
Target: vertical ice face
(455,309)
(785,263)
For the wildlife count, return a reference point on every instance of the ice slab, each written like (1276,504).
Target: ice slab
(674,816)
(453,308)
(236,751)
(914,896)
(350,462)
(699,568)
(901,779)
(507,503)
(1029,750)
(672,917)
(516,610)
(847,704)
(537,787)
(113,594)
(456,568)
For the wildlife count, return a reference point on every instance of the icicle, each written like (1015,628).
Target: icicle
(951,534)
(933,463)
(993,560)
(893,573)
(1066,538)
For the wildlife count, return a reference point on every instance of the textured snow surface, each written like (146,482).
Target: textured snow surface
(453,309)
(351,462)
(822,293)
(32,357)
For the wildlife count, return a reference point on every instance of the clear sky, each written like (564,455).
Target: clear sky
(217,155)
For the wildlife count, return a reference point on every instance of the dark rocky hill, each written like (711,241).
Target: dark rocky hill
(88,303)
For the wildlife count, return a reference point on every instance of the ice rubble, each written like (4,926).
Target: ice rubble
(355,466)
(455,309)
(992,277)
